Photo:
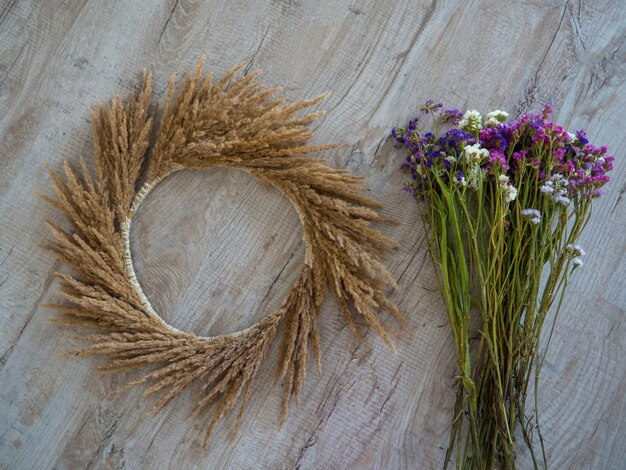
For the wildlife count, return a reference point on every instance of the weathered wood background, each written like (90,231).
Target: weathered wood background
(210,248)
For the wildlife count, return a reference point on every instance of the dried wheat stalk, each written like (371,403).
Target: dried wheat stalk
(234,123)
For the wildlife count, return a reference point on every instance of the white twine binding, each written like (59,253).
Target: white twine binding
(132,275)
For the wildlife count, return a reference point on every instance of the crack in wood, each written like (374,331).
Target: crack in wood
(619,198)
(401,57)
(29,316)
(530,92)
(6,11)
(167,22)
(103,442)
(577,30)
(281,272)
(380,143)
(247,69)
(312,440)
(6,75)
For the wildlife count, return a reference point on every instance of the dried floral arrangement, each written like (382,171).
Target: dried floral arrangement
(234,123)
(504,204)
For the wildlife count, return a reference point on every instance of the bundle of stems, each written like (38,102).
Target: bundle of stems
(503,204)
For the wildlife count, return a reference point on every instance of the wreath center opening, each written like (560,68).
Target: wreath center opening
(214,251)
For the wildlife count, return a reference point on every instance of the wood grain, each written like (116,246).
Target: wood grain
(214,252)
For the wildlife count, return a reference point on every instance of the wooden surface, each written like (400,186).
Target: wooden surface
(210,248)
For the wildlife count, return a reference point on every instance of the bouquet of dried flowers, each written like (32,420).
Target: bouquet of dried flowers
(505,203)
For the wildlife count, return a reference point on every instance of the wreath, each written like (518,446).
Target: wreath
(234,123)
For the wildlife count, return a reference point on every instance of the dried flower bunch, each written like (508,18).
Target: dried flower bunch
(234,123)
(505,203)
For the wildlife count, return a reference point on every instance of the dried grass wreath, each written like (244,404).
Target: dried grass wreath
(234,123)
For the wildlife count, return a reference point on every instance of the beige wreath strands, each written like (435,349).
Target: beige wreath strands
(234,123)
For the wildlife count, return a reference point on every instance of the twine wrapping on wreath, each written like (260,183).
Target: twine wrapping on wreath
(234,123)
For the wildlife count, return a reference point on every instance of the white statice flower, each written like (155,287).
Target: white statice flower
(419,168)
(474,175)
(547,187)
(577,262)
(556,187)
(563,200)
(471,122)
(491,122)
(576,250)
(475,154)
(461,181)
(495,117)
(572,137)
(509,192)
(534,214)
(498,114)
(450,159)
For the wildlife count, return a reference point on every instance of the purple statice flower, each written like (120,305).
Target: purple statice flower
(520,154)
(546,112)
(581,135)
(452,142)
(558,154)
(591,165)
(552,134)
(494,138)
(406,166)
(431,106)
(497,159)
(566,167)
(451,115)
(398,134)
(540,136)
(523,130)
